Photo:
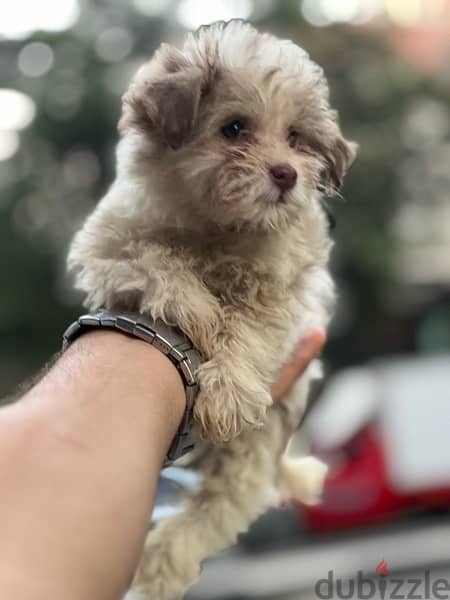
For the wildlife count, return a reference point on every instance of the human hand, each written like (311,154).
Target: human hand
(307,349)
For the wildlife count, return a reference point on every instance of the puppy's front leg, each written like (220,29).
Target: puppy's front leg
(175,294)
(235,382)
(232,399)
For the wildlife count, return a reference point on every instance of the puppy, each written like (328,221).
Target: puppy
(214,223)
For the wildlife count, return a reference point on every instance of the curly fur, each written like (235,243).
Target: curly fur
(195,231)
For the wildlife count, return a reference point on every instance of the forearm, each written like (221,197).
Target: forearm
(79,461)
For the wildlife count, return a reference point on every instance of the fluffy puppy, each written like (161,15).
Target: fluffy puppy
(214,223)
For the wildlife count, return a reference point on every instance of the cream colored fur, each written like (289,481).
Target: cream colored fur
(194,231)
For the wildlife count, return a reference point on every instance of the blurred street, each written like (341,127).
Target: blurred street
(408,549)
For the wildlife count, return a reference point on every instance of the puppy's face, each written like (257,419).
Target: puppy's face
(239,125)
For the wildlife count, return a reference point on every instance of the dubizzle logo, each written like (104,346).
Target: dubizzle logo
(382,568)
(384,586)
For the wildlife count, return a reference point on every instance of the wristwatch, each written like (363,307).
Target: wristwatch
(167,339)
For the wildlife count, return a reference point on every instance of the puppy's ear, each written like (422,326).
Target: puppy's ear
(164,97)
(339,157)
(172,103)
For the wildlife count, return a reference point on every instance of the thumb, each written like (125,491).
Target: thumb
(307,349)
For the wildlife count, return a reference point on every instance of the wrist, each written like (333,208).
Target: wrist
(170,341)
(107,376)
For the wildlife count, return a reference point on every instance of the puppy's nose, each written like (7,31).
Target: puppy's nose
(284,176)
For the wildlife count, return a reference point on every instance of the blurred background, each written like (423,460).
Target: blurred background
(382,415)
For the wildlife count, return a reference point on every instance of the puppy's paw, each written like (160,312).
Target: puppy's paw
(303,478)
(182,302)
(230,400)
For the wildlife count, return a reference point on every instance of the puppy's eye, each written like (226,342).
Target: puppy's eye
(232,129)
(293,138)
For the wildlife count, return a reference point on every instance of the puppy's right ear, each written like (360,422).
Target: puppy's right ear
(164,97)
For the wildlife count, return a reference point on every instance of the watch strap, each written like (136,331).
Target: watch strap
(169,340)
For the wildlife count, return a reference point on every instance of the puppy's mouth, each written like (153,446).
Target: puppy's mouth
(282,199)
(274,198)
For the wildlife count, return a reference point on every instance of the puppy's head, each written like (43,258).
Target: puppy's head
(237,125)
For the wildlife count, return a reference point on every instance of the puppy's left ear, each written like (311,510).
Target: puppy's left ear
(172,104)
(164,97)
(339,158)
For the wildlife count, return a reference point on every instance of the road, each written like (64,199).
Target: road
(409,550)
(293,574)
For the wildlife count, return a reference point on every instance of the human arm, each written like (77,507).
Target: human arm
(80,456)
(79,461)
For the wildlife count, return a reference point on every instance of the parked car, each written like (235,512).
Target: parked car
(384,430)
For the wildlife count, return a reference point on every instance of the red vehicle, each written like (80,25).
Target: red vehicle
(384,431)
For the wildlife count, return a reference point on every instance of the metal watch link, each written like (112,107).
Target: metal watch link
(171,342)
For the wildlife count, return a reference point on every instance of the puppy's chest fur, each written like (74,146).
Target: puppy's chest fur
(240,284)
(247,274)
(262,287)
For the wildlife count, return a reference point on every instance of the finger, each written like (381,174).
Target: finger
(307,349)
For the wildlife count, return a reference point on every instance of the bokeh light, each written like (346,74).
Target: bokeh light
(193,13)
(404,12)
(368,10)
(9,144)
(313,13)
(339,12)
(17,110)
(23,17)
(114,44)
(401,12)
(325,12)
(35,59)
